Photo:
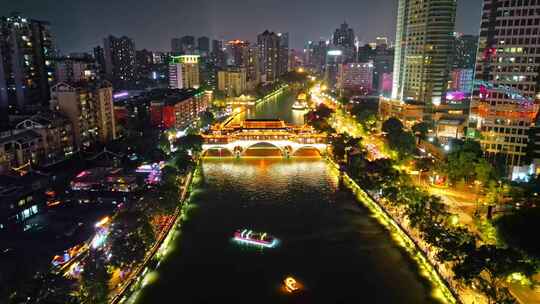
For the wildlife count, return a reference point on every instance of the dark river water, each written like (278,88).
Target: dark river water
(328,242)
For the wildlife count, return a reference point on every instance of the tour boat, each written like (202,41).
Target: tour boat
(300,105)
(255,238)
(291,285)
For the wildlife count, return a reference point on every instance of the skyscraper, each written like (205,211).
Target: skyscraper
(424,39)
(120,60)
(465,48)
(344,39)
(269,43)
(238,52)
(344,36)
(316,55)
(184,72)
(176,46)
(26,67)
(507,80)
(203,45)
(90,109)
(253,69)
(99,56)
(283,55)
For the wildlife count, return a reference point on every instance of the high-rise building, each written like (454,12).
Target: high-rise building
(203,45)
(462,80)
(503,107)
(316,56)
(99,57)
(268,43)
(283,55)
(385,84)
(232,81)
(356,77)
(183,46)
(253,68)
(382,43)
(176,46)
(273,54)
(384,64)
(184,72)
(366,53)
(238,53)
(26,67)
(178,109)
(75,69)
(465,48)
(120,60)
(144,63)
(334,58)
(344,38)
(56,132)
(218,54)
(423,50)
(295,60)
(90,109)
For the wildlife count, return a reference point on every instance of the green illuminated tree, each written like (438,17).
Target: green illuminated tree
(94,288)
(207,118)
(190,142)
(484,171)
(164,143)
(489,266)
(183,162)
(392,126)
(130,237)
(421,129)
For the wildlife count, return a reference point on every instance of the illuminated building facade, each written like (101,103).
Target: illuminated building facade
(465,48)
(56,133)
(315,56)
(184,72)
(233,81)
(356,77)
(120,60)
(89,107)
(20,149)
(273,54)
(26,69)
(253,76)
(344,38)
(462,80)
(72,69)
(507,80)
(334,58)
(21,197)
(238,53)
(385,84)
(178,109)
(423,50)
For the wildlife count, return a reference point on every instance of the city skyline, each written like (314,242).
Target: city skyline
(77,30)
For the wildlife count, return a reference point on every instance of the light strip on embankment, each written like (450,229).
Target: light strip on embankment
(441,290)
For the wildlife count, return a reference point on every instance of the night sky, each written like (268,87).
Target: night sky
(79,25)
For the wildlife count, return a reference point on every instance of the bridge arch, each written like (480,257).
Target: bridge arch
(305,149)
(262,145)
(217,151)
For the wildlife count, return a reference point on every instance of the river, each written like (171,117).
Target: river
(329,242)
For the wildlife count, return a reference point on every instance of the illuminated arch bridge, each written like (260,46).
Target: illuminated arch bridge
(237,138)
